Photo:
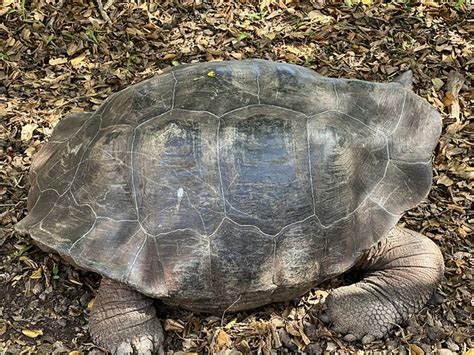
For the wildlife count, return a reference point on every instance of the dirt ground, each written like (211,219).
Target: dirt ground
(58,57)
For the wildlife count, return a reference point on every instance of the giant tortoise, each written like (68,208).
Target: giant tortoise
(230,185)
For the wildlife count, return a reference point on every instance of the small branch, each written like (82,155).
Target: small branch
(102,11)
(228,308)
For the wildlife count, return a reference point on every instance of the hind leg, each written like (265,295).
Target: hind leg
(401,274)
(124,321)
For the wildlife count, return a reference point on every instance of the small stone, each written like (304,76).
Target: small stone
(452,345)
(445,352)
(435,333)
(311,330)
(313,348)
(45,348)
(426,348)
(33,304)
(436,299)
(350,338)
(391,344)
(47,339)
(95,352)
(331,346)
(85,298)
(60,308)
(285,339)
(38,288)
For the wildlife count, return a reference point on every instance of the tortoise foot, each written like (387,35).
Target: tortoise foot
(401,274)
(358,314)
(123,321)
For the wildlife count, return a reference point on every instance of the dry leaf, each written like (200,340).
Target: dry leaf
(265,3)
(321,294)
(245,347)
(223,339)
(415,349)
(172,325)
(72,48)
(78,60)
(3,326)
(37,273)
(27,131)
(57,61)
(30,151)
(438,83)
(32,333)
(277,322)
(429,3)
(169,56)
(90,305)
(444,180)
(298,344)
(292,330)
(317,16)
(231,323)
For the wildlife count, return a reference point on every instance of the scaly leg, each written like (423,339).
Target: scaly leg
(401,273)
(124,321)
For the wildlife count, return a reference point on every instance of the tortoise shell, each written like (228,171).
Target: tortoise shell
(231,183)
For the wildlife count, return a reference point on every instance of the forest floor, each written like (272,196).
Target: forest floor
(58,57)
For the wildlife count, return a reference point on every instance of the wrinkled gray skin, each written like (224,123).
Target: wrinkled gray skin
(230,185)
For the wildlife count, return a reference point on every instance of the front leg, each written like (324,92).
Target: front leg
(401,274)
(124,321)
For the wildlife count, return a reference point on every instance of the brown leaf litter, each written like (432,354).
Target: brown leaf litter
(58,57)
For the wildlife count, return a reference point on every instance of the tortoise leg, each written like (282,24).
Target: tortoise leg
(401,274)
(124,321)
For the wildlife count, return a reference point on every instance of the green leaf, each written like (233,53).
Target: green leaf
(91,35)
(3,56)
(459,3)
(131,61)
(55,271)
(243,36)
(20,249)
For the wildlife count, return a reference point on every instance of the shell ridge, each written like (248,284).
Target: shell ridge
(219,169)
(402,111)
(130,268)
(262,105)
(310,167)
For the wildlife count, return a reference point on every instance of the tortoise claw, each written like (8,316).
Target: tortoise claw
(146,345)
(368,338)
